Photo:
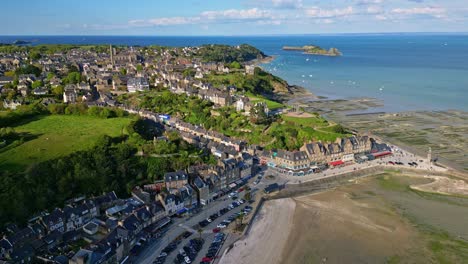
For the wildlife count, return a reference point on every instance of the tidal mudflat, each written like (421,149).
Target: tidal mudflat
(379,220)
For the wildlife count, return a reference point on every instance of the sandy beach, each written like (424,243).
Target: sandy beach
(268,236)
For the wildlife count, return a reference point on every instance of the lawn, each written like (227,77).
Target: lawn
(272,105)
(306,121)
(58,135)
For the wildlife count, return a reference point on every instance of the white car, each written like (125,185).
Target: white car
(187,260)
(209,220)
(232,194)
(221,225)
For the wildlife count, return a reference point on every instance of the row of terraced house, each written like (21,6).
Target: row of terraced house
(314,156)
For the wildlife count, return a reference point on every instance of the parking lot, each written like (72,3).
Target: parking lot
(181,225)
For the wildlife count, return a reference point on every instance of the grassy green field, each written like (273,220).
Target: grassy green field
(306,121)
(58,135)
(272,105)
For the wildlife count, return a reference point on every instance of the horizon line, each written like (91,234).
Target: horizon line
(240,35)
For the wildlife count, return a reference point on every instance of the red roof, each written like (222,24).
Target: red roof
(336,163)
(380,154)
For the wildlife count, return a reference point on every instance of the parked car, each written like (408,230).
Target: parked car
(216,230)
(206,259)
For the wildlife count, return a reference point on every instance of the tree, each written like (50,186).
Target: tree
(58,90)
(139,68)
(190,72)
(200,232)
(235,65)
(239,219)
(29,69)
(34,55)
(123,71)
(57,109)
(37,84)
(11,95)
(50,75)
(339,129)
(72,78)
(248,193)
(94,111)
(107,113)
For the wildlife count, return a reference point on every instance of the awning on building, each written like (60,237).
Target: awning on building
(163,222)
(181,211)
(336,163)
(381,154)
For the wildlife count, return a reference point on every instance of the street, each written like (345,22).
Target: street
(180,225)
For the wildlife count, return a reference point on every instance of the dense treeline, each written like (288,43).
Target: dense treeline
(26,112)
(108,166)
(260,83)
(229,54)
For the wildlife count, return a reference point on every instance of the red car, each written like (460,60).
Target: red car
(216,230)
(206,259)
(240,190)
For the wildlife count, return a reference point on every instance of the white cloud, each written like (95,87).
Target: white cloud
(369,2)
(374,9)
(292,4)
(208,17)
(253,13)
(325,21)
(429,10)
(317,12)
(381,17)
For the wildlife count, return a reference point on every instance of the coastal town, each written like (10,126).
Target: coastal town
(173,219)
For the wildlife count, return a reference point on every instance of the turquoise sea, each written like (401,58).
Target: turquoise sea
(406,71)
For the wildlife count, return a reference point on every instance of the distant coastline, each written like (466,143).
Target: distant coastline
(314,50)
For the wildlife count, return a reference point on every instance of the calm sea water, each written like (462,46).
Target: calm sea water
(407,72)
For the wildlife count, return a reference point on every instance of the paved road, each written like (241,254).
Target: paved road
(152,251)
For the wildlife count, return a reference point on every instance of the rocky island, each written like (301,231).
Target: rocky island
(21,42)
(315,50)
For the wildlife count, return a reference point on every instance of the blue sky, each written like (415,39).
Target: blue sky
(230,17)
